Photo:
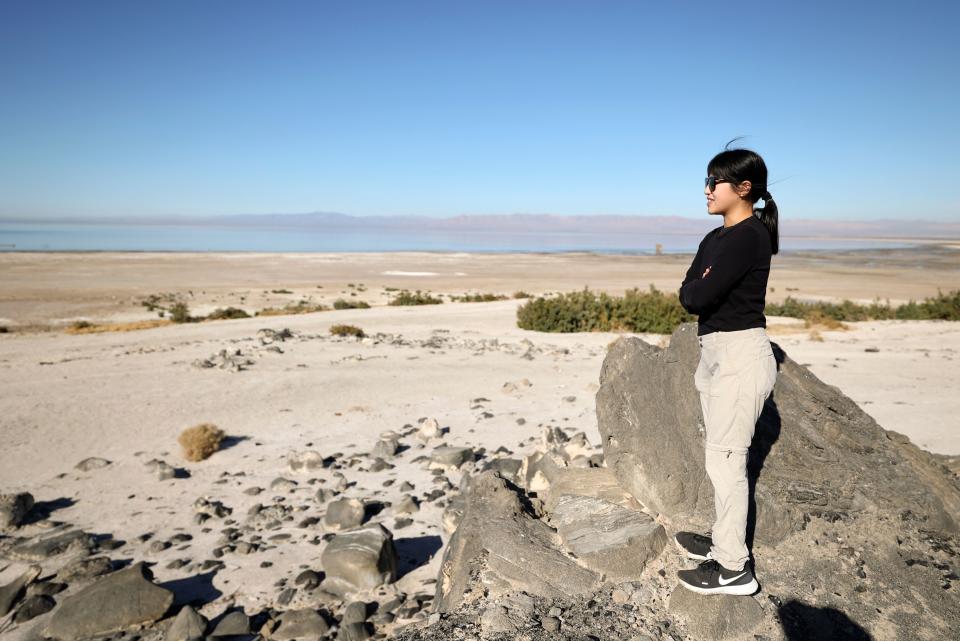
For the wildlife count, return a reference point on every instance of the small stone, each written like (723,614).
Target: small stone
(305,462)
(188,625)
(92,463)
(281,484)
(550,624)
(301,624)
(429,429)
(14,508)
(345,513)
(308,579)
(234,623)
(448,456)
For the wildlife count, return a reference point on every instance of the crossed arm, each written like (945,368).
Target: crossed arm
(700,291)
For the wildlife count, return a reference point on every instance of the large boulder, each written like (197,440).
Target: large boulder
(123,600)
(815,452)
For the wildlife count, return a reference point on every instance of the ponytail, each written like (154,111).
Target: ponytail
(769,216)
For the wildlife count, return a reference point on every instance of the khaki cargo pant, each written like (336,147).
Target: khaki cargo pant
(736,374)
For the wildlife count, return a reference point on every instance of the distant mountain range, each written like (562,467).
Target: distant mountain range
(531,223)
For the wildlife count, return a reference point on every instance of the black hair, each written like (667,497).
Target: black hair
(738,165)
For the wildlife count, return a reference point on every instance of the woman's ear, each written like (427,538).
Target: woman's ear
(744,188)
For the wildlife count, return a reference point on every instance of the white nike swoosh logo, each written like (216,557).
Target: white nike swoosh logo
(722,582)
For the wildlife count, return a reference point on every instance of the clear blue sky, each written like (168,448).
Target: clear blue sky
(446,108)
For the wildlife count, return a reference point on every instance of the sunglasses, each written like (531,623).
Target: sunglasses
(711,182)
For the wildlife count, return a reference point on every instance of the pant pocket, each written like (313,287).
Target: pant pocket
(723,420)
(736,398)
(768,378)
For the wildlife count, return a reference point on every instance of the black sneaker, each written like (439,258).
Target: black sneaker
(709,577)
(696,546)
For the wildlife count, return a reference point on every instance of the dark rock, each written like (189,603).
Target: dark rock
(33,607)
(119,601)
(500,545)
(188,625)
(14,508)
(357,631)
(233,624)
(359,559)
(11,592)
(92,463)
(714,617)
(45,546)
(300,624)
(85,568)
(345,513)
(813,446)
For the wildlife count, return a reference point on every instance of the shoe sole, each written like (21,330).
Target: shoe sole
(690,555)
(738,590)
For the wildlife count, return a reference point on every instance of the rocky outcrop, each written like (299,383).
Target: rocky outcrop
(501,545)
(814,452)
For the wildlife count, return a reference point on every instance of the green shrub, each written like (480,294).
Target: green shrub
(346,330)
(346,304)
(406,297)
(478,298)
(179,313)
(941,307)
(585,311)
(299,307)
(229,312)
(280,291)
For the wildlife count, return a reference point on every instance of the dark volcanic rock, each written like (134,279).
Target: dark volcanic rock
(359,559)
(500,545)
(11,592)
(119,601)
(814,451)
(14,508)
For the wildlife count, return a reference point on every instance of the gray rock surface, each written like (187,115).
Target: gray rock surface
(92,463)
(119,601)
(14,508)
(300,624)
(345,513)
(814,449)
(359,559)
(233,624)
(500,545)
(51,544)
(187,625)
(715,617)
(13,591)
(450,456)
(305,462)
(606,537)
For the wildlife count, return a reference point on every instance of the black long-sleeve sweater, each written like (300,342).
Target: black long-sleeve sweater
(733,295)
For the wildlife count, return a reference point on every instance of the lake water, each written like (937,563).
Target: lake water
(94,237)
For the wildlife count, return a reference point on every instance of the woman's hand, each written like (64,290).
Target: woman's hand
(706,271)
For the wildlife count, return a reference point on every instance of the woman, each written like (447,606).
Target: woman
(726,287)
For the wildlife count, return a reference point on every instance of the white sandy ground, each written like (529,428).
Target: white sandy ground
(126,396)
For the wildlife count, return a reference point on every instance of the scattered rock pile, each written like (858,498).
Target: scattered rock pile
(853,529)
